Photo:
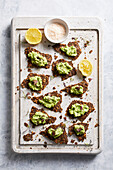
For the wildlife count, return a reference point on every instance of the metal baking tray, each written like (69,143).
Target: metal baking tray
(84,29)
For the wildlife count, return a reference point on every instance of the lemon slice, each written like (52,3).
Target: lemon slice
(33,36)
(85,67)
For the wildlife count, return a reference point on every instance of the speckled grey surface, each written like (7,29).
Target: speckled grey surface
(9,9)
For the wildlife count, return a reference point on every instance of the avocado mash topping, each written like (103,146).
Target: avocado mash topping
(70,51)
(39,118)
(76,89)
(63,68)
(49,101)
(37,59)
(79,129)
(55,133)
(35,83)
(78,110)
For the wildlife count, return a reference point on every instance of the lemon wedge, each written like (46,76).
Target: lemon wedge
(85,67)
(33,36)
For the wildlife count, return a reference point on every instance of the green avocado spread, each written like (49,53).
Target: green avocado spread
(70,51)
(78,110)
(79,129)
(49,101)
(37,59)
(55,133)
(35,83)
(63,68)
(39,118)
(76,89)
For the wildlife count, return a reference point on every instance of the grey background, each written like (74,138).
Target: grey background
(9,9)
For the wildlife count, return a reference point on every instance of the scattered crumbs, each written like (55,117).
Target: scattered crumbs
(81,97)
(95,59)
(24,68)
(90,51)
(26,124)
(81,38)
(30,147)
(86,44)
(65,118)
(86,144)
(60,117)
(20,70)
(28,137)
(60,91)
(85,57)
(96,125)
(64,84)
(51,77)
(45,144)
(65,94)
(49,45)
(76,143)
(54,88)
(32,94)
(36,136)
(33,133)
(84,52)
(73,38)
(39,139)
(29,70)
(15,93)
(86,94)
(18,88)
(55,57)
(29,97)
(72,140)
(90,119)
(89,79)
(71,79)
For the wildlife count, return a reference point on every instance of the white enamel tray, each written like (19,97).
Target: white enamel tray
(84,29)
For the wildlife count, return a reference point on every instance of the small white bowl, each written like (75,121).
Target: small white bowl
(59,21)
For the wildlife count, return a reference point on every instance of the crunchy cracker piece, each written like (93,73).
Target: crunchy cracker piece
(45,81)
(63,76)
(83,117)
(57,107)
(80,137)
(61,139)
(84,84)
(48,57)
(57,48)
(50,119)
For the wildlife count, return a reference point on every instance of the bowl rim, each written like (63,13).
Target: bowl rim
(61,21)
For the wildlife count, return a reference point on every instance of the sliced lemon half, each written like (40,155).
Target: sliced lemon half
(85,67)
(33,36)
